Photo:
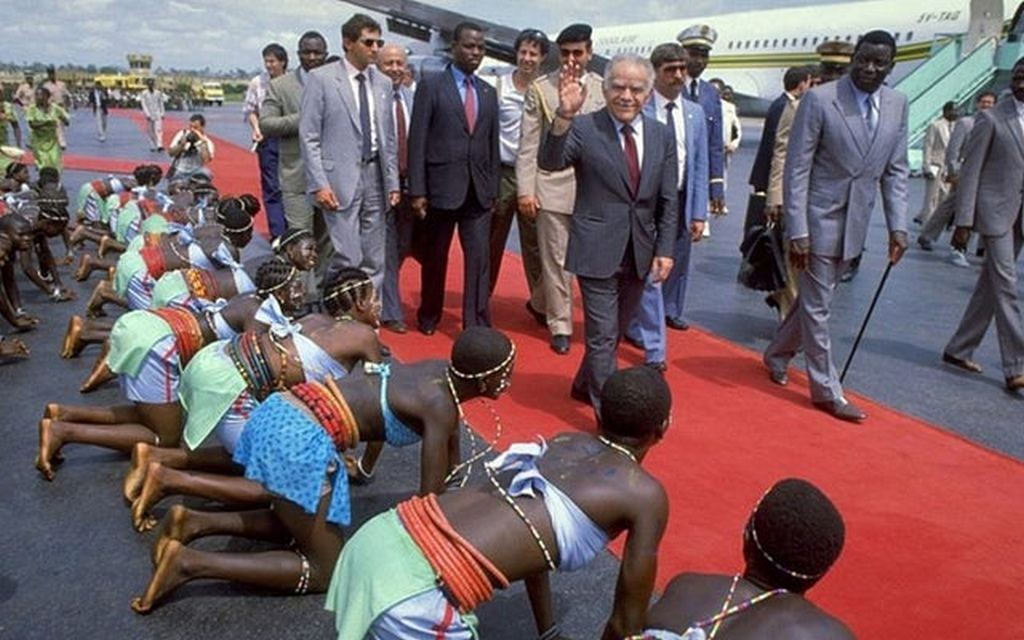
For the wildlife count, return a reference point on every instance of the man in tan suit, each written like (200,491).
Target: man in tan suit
(550,195)
(936,141)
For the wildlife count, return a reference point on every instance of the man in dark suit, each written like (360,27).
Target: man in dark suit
(795,82)
(99,100)
(454,171)
(626,210)
(989,201)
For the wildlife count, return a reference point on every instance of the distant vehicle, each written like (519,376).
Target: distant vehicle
(209,93)
(133,83)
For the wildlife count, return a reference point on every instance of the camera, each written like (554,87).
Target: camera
(192,137)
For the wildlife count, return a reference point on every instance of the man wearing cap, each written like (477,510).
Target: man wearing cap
(550,196)
(834,57)
(698,41)
(685,121)
(849,140)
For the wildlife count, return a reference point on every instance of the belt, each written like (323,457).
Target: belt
(371,159)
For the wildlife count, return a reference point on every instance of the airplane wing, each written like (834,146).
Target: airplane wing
(420,21)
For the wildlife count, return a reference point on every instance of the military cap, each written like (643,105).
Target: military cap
(835,52)
(700,36)
(574,33)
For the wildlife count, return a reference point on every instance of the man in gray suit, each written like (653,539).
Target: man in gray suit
(348,147)
(626,209)
(848,139)
(279,118)
(989,201)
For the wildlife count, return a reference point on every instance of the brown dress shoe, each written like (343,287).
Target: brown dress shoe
(1016,383)
(842,409)
(966,365)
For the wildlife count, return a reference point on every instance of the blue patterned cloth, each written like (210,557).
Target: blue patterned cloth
(396,432)
(289,453)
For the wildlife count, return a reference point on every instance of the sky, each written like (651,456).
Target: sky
(229,34)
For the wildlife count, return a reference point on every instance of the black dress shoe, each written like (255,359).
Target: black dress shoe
(395,326)
(659,366)
(426,329)
(676,323)
(541,319)
(966,365)
(1016,383)
(780,378)
(560,344)
(842,409)
(579,395)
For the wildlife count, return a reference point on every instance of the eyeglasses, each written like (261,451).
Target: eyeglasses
(371,42)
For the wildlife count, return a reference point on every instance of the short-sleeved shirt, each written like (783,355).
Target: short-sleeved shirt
(255,95)
(190,162)
(510,118)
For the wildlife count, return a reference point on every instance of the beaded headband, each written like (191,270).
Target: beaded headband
(279,285)
(351,286)
(289,237)
(767,556)
(476,376)
(56,217)
(228,229)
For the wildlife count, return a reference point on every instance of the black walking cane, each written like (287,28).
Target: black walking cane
(864,325)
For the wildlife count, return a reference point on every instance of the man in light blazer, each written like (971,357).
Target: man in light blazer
(626,211)
(849,139)
(549,196)
(279,118)
(348,148)
(687,122)
(454,173)
(989,201)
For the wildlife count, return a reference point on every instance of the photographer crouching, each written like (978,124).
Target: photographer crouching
(191,149)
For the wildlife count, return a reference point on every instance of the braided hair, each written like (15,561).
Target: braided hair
(349,288)
(250,203)
(272,275)
(478,350)
(14,168)
(236,221)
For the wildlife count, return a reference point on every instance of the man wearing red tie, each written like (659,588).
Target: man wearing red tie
(454,171)
(625,215)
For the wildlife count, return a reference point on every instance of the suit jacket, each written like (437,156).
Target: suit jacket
(330,135)
(773,196)
(708,99)
(694,202)
(104,99)
(607,216)
(761,169)
(936,141)
(955,148)
(443,156)
(989,191)
(834,169)
(279,118)
(556,190)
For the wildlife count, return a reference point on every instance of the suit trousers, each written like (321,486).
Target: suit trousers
(300,213)
(556,282)
(101,123)
(155,131)
(501,224)
(674,287)
(935,191)
(609,304)
(474,223)
(941,218)
(398,222)
(995,295)
(806,328)
(357,230)
(270,186)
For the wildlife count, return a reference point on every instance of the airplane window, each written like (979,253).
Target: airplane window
(804,43)
(775,42)
(910,36)
(730,44)
(784,41)
(847,38)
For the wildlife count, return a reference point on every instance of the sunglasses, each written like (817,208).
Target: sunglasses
(371,42)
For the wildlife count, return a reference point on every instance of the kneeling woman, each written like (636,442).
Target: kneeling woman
(228,379)
(418,570)
(149,348)
(293,445)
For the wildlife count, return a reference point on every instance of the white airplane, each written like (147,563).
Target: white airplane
(754,48)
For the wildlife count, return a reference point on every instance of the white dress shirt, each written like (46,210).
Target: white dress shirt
(679,123)
(352,72)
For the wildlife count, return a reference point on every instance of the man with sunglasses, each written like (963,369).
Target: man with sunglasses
(550,196)
(347,138)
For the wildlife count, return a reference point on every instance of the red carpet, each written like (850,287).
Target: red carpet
(934,523)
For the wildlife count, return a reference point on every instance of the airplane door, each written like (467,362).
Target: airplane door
(986,21)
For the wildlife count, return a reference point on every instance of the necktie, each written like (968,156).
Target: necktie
(364,117)
(669,119)
(870,117)
(470,104)
(693,90)
(403,140)
(632,159)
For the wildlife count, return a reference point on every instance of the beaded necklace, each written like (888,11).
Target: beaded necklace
(177,254)
(475,452)
(618,448)
(696,631)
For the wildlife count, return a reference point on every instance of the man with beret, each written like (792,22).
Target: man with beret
(550,196)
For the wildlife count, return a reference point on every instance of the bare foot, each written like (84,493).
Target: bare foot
(84,268)
(100,374)
(49,445)
(73,344)
(77,236)
(137,473)
(94,307)
(168,576)
(152,492)
(13,348)
(176,529)
(104,246)
(52,411)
